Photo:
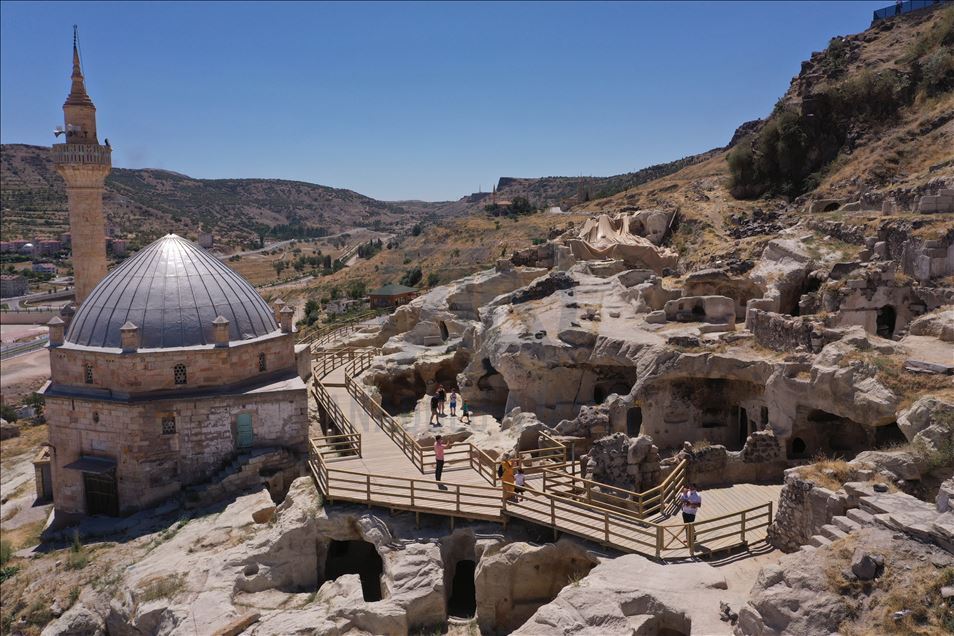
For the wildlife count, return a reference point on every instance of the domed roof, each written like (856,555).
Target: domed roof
(172,290)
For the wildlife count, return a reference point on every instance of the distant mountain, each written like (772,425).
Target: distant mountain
(143,204)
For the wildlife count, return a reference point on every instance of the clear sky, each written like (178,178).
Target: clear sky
(397,101)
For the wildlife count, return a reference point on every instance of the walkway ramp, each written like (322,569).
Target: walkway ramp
(363,455)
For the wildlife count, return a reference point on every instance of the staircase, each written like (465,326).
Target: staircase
(841,526)
(244,471)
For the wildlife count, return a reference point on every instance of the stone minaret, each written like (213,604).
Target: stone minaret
(84,163)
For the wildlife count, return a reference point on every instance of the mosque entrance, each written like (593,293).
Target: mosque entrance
(102,495)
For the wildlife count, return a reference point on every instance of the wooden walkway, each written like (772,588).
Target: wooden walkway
(363,455)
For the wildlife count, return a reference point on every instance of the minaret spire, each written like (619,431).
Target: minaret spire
(78,93)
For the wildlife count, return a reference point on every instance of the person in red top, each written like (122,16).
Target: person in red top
(439,448)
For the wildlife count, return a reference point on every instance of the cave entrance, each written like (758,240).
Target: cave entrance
(889,435)
(743,426)
(356,557)
(634,421)
(886,321)
(463,599)
(444,333)
(817,431)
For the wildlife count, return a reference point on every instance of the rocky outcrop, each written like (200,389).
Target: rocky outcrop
(631,463)
(515,579)
(928,423)
(939,323)
(614,238)
(633,595)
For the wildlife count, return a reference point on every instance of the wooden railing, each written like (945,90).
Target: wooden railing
(347,434)
(317,336)
(624,530)
(657,500)
(418,495)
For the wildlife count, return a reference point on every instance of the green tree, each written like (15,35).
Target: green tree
(433,279)
(412,277)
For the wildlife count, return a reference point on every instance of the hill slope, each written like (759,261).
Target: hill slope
(143,204)
(870,118)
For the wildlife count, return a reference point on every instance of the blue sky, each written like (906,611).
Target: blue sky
(409,100)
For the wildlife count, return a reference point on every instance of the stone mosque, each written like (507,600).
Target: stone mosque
(173,377)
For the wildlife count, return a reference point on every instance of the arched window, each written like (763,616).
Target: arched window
(179,371)
(88,373)
(262,366)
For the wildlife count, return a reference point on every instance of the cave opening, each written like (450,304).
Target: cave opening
(444,333)
(885,322)
(817,431)
(889,435)
(356,557)
(463,599)
(634,421)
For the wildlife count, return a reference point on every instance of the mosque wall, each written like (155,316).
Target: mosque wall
(145,370)
(164,445)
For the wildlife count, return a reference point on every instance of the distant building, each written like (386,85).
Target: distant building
(342,305)
(12,285)
(66,239)
(8,246)
(392,296)
(19,243)
(26,249)
(44,268)
(47,247)
(205,240)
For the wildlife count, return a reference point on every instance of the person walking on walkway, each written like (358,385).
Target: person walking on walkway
(691,501)
(453,403)
(520,481)
(439,448)
(435,412)
(441,398)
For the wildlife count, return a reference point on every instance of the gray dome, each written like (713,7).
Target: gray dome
(172,290)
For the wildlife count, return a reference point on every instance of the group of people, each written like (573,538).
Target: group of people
(440,398)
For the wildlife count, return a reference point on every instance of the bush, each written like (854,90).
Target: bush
(6,551)
(412,277)
(8,413)
(433,279)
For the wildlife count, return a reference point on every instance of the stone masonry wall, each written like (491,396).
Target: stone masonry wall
(153,465)
(785,333)
(803,508)
(145,371)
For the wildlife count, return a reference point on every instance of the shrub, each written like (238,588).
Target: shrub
(6,551)
(412,277)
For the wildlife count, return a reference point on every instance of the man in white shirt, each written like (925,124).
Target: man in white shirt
(691,502)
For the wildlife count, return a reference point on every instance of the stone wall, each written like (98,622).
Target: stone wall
(786,333)
(627,462)
(803,508)
(153,465)
(145,370)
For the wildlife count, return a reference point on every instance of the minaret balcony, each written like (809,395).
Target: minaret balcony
(82,154)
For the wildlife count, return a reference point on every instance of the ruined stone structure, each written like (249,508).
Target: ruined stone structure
(84,163)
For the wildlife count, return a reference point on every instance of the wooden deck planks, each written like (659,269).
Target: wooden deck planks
(382,458)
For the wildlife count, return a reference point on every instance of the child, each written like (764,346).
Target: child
(520,480)
(464,413)
(453,402)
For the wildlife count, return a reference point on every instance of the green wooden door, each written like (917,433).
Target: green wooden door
(243,425)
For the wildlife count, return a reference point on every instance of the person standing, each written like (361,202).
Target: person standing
(507,477)
(464,412)
(435,413)
(441,398)
(439,448)
(520,481)
(453,403)
(691,502)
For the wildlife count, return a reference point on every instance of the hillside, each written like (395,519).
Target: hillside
(143,204)
(870,118)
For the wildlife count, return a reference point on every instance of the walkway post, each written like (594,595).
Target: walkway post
(743,527)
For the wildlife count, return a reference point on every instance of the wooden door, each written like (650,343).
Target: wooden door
(243,430)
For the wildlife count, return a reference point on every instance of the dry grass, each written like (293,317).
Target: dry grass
(890,372)
(918,590)
(830,473)
(29,440)
(161,587)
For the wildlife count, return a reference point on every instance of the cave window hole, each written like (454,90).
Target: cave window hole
(356,557)
(444,333)
(886,320)
(799,448)
(634,421)
(463,599)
